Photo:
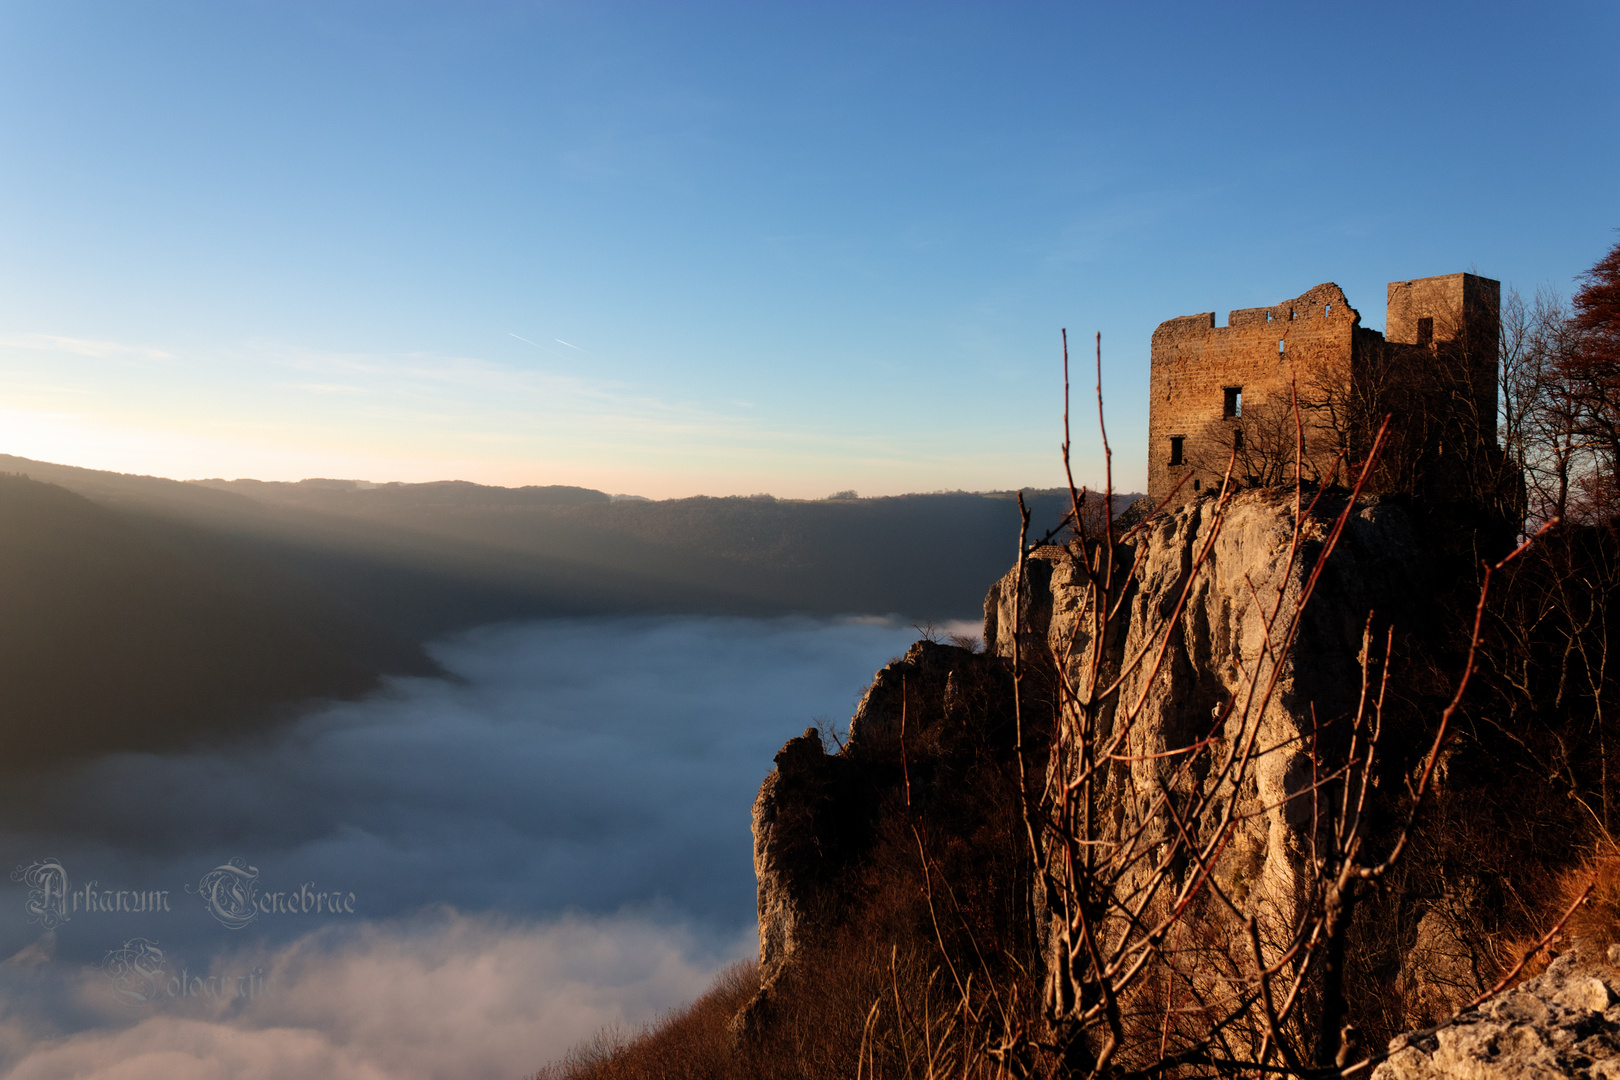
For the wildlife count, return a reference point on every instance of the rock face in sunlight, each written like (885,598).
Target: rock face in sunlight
(1564,1023)
(1195,690)
(1169,779)
(797,843)
(1194,589)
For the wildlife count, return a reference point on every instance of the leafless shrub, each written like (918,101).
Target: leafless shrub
(1587,896)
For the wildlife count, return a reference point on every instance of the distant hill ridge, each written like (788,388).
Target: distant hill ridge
(319,491)
(343,581)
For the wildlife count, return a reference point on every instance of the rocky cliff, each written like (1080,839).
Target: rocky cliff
(927,746)
(1565,1023)
(1208,592)
(1224,675)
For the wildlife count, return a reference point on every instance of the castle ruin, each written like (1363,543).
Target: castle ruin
(1224,396)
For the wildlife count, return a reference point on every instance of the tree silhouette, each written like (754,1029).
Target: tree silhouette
(1591,370)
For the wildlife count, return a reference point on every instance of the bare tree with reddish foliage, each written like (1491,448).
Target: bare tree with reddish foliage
(1597,306)
(1591,372)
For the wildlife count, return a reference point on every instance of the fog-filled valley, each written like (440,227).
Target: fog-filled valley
(553,839)
(735,541)
(513,734)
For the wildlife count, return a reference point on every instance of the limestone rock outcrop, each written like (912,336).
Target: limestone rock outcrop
(1565,1023)
(1215,643)
(819,815)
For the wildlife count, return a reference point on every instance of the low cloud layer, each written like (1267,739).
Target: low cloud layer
(581,793)
(439,995)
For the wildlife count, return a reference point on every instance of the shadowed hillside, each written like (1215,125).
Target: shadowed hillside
(428,558)
(109,640)
(141,612)
(568,549)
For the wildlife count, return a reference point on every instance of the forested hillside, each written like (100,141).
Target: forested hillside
(111,640)
(139,612)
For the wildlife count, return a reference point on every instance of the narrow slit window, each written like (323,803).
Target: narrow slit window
(1234,403)
(1237,439)
(1425,331)
(1177,444)
(1327,309)
(1282,346)
(1197,484)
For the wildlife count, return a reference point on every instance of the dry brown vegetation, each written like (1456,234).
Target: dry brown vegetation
(689,1043)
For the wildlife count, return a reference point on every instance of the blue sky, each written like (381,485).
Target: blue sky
(673,249)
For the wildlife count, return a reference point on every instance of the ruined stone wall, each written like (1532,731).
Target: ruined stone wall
(1435,371)
(1444,299)
(1264,351)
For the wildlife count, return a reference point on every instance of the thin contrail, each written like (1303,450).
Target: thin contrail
(558,340)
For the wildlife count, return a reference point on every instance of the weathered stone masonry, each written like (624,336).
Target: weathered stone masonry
(1209,382)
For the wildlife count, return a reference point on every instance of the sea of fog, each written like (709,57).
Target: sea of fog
(451,878)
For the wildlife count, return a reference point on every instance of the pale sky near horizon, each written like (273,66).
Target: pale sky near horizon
(724,248)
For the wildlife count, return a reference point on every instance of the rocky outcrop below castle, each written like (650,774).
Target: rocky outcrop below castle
(1211,584)
(913,831)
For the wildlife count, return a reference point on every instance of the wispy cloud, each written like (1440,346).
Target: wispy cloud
(82,346)
(331,388)
(543,348)
(446,387)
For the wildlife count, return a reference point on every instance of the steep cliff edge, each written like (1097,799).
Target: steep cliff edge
(836,835)
(1208,591)
(1211,655)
